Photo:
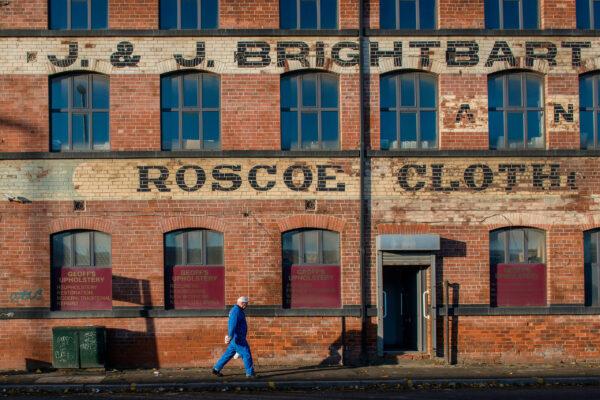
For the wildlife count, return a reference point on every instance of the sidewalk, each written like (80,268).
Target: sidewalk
(411,374)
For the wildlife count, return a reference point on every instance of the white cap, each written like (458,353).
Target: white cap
(243,299)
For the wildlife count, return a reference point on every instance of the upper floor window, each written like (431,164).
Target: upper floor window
(516,111)
(588,14)
(189,14)
(78,14)
(79,112)
(592,267)
(308,14)
(407,14)
(589,110)
(309,112)
(190,111)
(511,14)
(194,247)
(408,111)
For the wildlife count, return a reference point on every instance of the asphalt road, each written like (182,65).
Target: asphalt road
(462,394)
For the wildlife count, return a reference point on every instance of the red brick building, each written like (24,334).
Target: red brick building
(158,159)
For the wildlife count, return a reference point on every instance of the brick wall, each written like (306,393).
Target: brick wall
(139,14)
(24,14)
(456,14)
(557,14)
(249,14)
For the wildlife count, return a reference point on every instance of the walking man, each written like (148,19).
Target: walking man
(236,339)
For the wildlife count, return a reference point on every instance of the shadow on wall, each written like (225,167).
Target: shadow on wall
(127,348)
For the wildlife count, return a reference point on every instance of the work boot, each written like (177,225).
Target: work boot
(253,376)
(217,373)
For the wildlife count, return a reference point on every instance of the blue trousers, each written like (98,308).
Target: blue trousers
(244,352)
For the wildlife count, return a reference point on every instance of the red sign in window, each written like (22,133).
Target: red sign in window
(521,285)
(315,286)
(198,287)
(83,288)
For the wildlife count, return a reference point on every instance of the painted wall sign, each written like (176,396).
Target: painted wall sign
(314,286)
(520,285)
(82,288)
(197,287)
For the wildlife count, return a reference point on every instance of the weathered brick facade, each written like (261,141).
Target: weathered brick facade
(252,192)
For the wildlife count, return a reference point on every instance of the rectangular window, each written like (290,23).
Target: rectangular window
(78,14)
(189,14)
(308,14)
(511,14)
(407,14)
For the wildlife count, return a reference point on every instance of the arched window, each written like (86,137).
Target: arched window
(407,14)
(518,262)
(78,14)
(309,112)
(516,111)
(408,111)
(589,110)
(190,111)
(511,14)
(81,270)
(588,14)
(308,14)
(189,14)
(311,269)
(79,112)
(195,272)
(591,240)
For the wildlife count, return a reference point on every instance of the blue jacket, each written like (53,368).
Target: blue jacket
(237,327)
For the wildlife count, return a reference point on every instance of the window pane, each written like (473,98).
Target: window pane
(515,130)
(596,14)
(496,126)
(516,241)
(387,14)
(583,14)
(99,14)
(169,93)
(427,91)
(289,92)
(58,14)
(101,249)
(586,91)
(100,131)
(534,92)
(190,90)
(80,127)
(495,91)
(100,92)
(308,14)
(514,90)
(170,130)
(61,250)
(329,91)
(530,14)
(535,246)
(287,14)
(60,92)
(309,90)
(214,248)
(289,130)
(492,14)
(407,90)
(168,14)
(587,129)
(80,91)
(535,138)
(389,140)
(174,248)
(191,134)
(82,249)
(189,14)
(511,14)
(210,130)
(194,248)
(209,14)
(328,14)
(428,128)
(79,14)
(291,248)
(311,247)
(427,14)
(408,130)
(408,14)
(331,248)
(310,131)
(497,247)
(387,87)
(210,91)
(60,131)
(330,129)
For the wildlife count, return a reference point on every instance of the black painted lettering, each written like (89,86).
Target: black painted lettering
(376,54)
(462,53)
(424,46)
(320,50)
(220,176)
(145,179)
(486,180)
(124,57)
(193,62)
(288,178)
(270,169)
(247,58)
(200,178)
(539,176)
(437,175)
(501,52)
(322,179)
(560,111)
(352,58)
(300,54)
(68,60)
(576,51)
(549,54)
(404,174)
(511,171)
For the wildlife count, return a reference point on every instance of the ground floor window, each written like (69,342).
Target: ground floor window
(592,274)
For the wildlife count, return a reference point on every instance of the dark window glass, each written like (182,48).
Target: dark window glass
(190,112)
(311,247)
(79,109)
(517,246)
(591,241)
(309,112)
(78,14)
(589,110)
(515,111)
(189,14)
(193,247)
(81,249)
(511,14)
(413,124)
(308,14)
(407,14)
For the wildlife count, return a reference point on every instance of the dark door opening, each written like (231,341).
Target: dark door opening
(402,289)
